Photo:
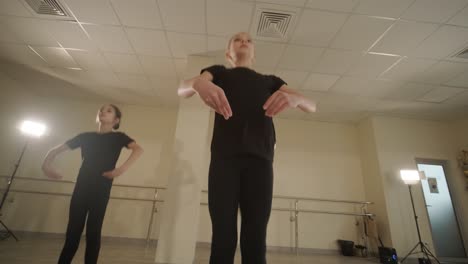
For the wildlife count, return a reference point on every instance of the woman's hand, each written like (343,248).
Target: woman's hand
(288,98)
(279,101)
(213,96)
(113,173)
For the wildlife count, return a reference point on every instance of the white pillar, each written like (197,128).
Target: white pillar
(180,212)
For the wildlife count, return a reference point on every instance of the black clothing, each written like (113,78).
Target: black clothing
(249,130)
(99,153)
(244,181)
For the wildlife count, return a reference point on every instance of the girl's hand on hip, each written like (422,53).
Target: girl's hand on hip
(113,173)
(53,174)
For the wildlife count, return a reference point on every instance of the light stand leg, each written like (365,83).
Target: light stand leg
(424,250)
(10,182)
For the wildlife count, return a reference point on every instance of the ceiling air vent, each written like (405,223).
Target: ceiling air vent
(273,23)
(47,7)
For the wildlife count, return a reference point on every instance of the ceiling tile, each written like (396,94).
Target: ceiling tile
(437,11)
(138,13)
(300,57)
(440,94)
(297,3)
(13,8)
(109,38)
(103,78)
(150,42)
(70,35)
(225,18)
(441,72)
(89,60)
(93,11)
(417,109)
(364,87)
(183,15)
(166,89)
(217,43)
(8,35)
(336,61)
(383,8)
(444,42)
(135,83)
(360,32)
(403,37)
(157,65)
(460,81)
(268,54)
(372,65)
(317,28)
(461,19)
(294,79)
(182,44)
(124,63)
(181,68)
(31,31)
(333,5)
(409,92)
(56,57)
(21,54)
(460,99)
(408,69)
(320,82)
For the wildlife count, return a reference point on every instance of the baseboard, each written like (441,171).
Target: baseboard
(154,242)
(302,251)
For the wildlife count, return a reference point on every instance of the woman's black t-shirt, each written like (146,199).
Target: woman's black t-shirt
(99,153)
(249,130)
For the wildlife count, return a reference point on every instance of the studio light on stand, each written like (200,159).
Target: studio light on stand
(29,129)
(410,178)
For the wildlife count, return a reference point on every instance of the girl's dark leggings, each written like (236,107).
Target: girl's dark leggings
(84,208)
(244,182)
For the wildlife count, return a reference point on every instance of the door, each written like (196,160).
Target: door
(442,216)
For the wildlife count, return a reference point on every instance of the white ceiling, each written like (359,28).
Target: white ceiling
(354,57)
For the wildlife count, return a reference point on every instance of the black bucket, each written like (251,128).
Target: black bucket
(347,247)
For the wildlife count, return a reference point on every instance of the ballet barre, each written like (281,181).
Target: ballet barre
(295,211)
(154,201)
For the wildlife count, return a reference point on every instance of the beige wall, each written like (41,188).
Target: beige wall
(460,182)
(375,190)
(398,143)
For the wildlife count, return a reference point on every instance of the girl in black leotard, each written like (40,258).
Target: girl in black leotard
(242,148)
(99,151)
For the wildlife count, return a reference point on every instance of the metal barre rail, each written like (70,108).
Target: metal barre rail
(294,218)
(66,181)
(312,211)
(69,194)
(315,199)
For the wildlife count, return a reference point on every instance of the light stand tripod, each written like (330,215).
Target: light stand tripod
(427,254)
(10,181)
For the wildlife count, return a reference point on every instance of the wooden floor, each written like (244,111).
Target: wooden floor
(45,250)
